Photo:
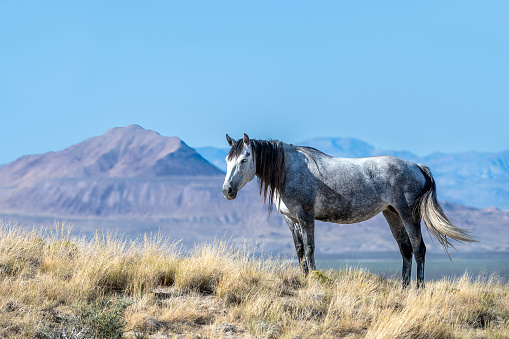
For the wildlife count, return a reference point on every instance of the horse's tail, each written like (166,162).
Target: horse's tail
(437,222)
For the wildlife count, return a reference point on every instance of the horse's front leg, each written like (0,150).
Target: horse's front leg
(297,240)
(307,226)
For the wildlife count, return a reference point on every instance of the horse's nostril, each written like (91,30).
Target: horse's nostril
(229,192)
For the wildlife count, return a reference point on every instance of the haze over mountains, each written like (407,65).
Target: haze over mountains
(135,180)
(471,178)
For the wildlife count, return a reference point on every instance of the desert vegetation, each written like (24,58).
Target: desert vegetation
(54,285)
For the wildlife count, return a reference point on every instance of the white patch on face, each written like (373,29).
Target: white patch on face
(239,171)
(229,168)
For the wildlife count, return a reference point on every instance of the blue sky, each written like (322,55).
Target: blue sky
(419,76)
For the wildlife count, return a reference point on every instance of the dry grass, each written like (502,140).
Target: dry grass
(53,285)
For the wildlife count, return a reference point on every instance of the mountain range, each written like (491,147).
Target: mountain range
(471,178)
(134,180)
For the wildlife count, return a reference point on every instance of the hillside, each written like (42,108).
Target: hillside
(471,178)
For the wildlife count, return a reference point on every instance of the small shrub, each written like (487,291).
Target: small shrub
(94,320)
(320,277)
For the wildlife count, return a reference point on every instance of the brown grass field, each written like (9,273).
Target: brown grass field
(54,285)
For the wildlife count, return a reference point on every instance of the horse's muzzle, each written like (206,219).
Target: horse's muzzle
(229,193)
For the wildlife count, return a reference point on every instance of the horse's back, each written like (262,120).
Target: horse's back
(356,189)
(379,171)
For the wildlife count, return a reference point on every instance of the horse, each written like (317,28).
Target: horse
(306,185)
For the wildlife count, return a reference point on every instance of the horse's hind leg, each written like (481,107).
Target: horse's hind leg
(401,236)
(413,228)
(299,246)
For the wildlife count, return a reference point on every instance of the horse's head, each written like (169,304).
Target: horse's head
(240,166)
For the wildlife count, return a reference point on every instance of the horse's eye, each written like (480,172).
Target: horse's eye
(243,161)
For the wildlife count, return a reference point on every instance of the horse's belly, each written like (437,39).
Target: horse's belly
(348,214)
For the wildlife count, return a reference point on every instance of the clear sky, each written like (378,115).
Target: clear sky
(404,75)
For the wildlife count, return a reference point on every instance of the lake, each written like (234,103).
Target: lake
(435,269)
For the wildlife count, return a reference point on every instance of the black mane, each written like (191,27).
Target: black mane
(270,165)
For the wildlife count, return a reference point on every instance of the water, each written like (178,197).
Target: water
(435,269)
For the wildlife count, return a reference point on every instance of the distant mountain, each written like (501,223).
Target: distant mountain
(351,147)
(120,152)
(470,178)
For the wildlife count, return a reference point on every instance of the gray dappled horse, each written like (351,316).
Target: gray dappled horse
(307,185)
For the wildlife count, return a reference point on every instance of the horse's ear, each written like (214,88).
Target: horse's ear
(246,139)
(231,142)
